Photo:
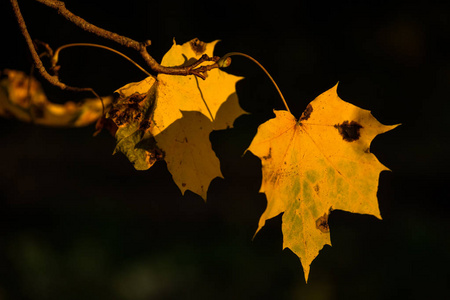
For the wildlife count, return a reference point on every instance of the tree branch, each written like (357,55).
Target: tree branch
(192,69)
(60,7)
(37,60)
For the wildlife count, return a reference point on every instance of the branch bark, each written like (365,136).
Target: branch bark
(192,69)
(60,7)
(37,60)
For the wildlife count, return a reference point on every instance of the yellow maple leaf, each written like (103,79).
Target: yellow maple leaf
(175,116)
(188,93)
(317,164)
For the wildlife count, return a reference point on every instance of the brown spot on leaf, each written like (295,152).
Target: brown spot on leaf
(153,155)
(145,124)
(137,116)
(160,154)
(133,105)
(268,156)
(136,98)
(119,121)
(128,114)
(316,188)
(307,113)
(322,223)
(349,130)
(113,112)
(198,46)
(183,184)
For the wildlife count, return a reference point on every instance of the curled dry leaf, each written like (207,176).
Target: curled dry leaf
(22,98)
(316,164)
(170,117)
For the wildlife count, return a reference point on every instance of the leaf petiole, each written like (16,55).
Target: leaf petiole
(56,55)
(225,61)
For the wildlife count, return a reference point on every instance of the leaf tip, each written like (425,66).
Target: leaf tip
(306,269)
(256,232)
(334,88)
(390,127)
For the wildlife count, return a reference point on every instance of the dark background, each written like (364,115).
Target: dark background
(78,223)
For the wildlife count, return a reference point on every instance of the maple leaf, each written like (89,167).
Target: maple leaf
(188,93)
(317,164)
(170,117)
(22,98)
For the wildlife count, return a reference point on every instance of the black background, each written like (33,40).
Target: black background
(78,223)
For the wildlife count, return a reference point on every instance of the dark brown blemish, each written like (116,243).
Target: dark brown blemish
(183,184)
(198,46)
(128,114)
(136,98)
(133,105)
(307,113)
(349,131)
(322,223)
(145,124)
(153,156)
(160,154)
(316,189)
(137,116)
(119,121)
(113,112)
(268,156)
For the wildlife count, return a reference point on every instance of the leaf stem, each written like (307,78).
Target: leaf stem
(56,55)
(225,61)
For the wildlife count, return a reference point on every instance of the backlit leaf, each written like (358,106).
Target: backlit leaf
(317,164)
(174,118)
